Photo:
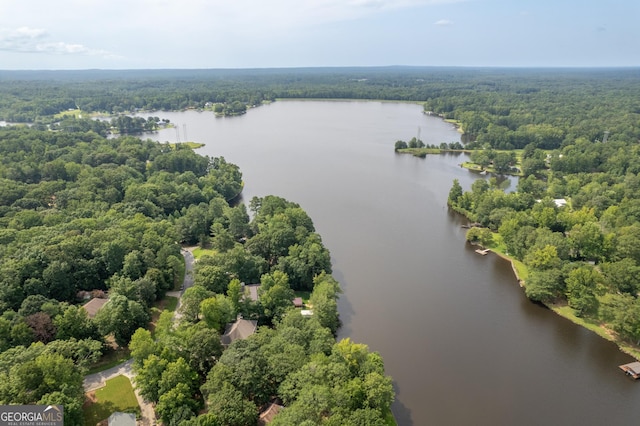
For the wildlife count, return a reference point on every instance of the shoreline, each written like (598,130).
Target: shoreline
(564,311)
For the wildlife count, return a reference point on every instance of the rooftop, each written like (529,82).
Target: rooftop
(239,330)
(93,306)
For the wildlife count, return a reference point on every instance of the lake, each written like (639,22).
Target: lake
(462,342)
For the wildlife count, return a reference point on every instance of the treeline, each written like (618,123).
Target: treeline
(575,223)
(498,108)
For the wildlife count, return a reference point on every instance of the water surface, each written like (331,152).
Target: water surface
(461,341)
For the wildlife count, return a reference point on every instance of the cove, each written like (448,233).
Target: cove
(462,342)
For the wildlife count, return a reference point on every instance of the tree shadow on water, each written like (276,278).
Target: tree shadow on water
(400,411)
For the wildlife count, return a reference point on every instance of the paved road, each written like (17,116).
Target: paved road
(189,261)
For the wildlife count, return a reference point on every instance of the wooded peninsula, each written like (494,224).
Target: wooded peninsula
(86,216)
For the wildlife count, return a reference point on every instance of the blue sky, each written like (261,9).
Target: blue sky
(134,34)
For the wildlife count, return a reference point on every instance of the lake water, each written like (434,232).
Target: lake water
(462,342)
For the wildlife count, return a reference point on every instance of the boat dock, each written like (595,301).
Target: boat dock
(483,252)
(632,369)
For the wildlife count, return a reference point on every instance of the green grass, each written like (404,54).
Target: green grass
(389,419)
(199,252)
(110,359)
(192,145)
(116,395)
(171,303)
(600,329)
(499,247)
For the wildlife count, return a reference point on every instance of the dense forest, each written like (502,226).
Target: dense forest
(82,214)
(504,108)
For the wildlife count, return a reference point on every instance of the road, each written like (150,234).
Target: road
(97,380)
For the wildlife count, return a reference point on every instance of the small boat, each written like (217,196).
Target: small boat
(483,252)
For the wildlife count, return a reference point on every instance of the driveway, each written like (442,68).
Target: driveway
(97,380)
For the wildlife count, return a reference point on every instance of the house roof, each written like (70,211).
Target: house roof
(297,302)
(252,291)
(239,330)
(122,419)
(93,306)
(634,367)
(269,413)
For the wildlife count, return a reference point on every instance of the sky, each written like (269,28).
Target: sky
(152,34)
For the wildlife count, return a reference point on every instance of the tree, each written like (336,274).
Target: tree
(75,322)
(275,294)
(324,300)
(455,193)
(142,346)
(43,328)
(305,261)
(400,145)
(217,311)
(176,404)
(503,161)
(230,408)
(190,302)
(122,317)
(587,240)
(624,275)
(484,236)
(543,258)
(201,347)
(581,290)
(177,372)
(544,285)
(148,377)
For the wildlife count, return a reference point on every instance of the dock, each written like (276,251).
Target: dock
(483,252)
(632,369)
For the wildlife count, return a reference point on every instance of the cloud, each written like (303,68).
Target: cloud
(443,22)
(35,40)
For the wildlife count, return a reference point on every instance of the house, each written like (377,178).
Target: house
(239,330)
(268,414)
(93,306)
(122,419)
(251,291)
(297,302)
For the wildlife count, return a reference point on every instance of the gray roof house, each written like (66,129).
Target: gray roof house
(239,330)
(122,419)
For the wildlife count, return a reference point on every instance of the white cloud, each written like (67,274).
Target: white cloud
(35,40)
(443,22)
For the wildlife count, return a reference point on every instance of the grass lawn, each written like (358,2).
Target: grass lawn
(192,145)
(590,324)
(110,359)
(116,395)
(199,252)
